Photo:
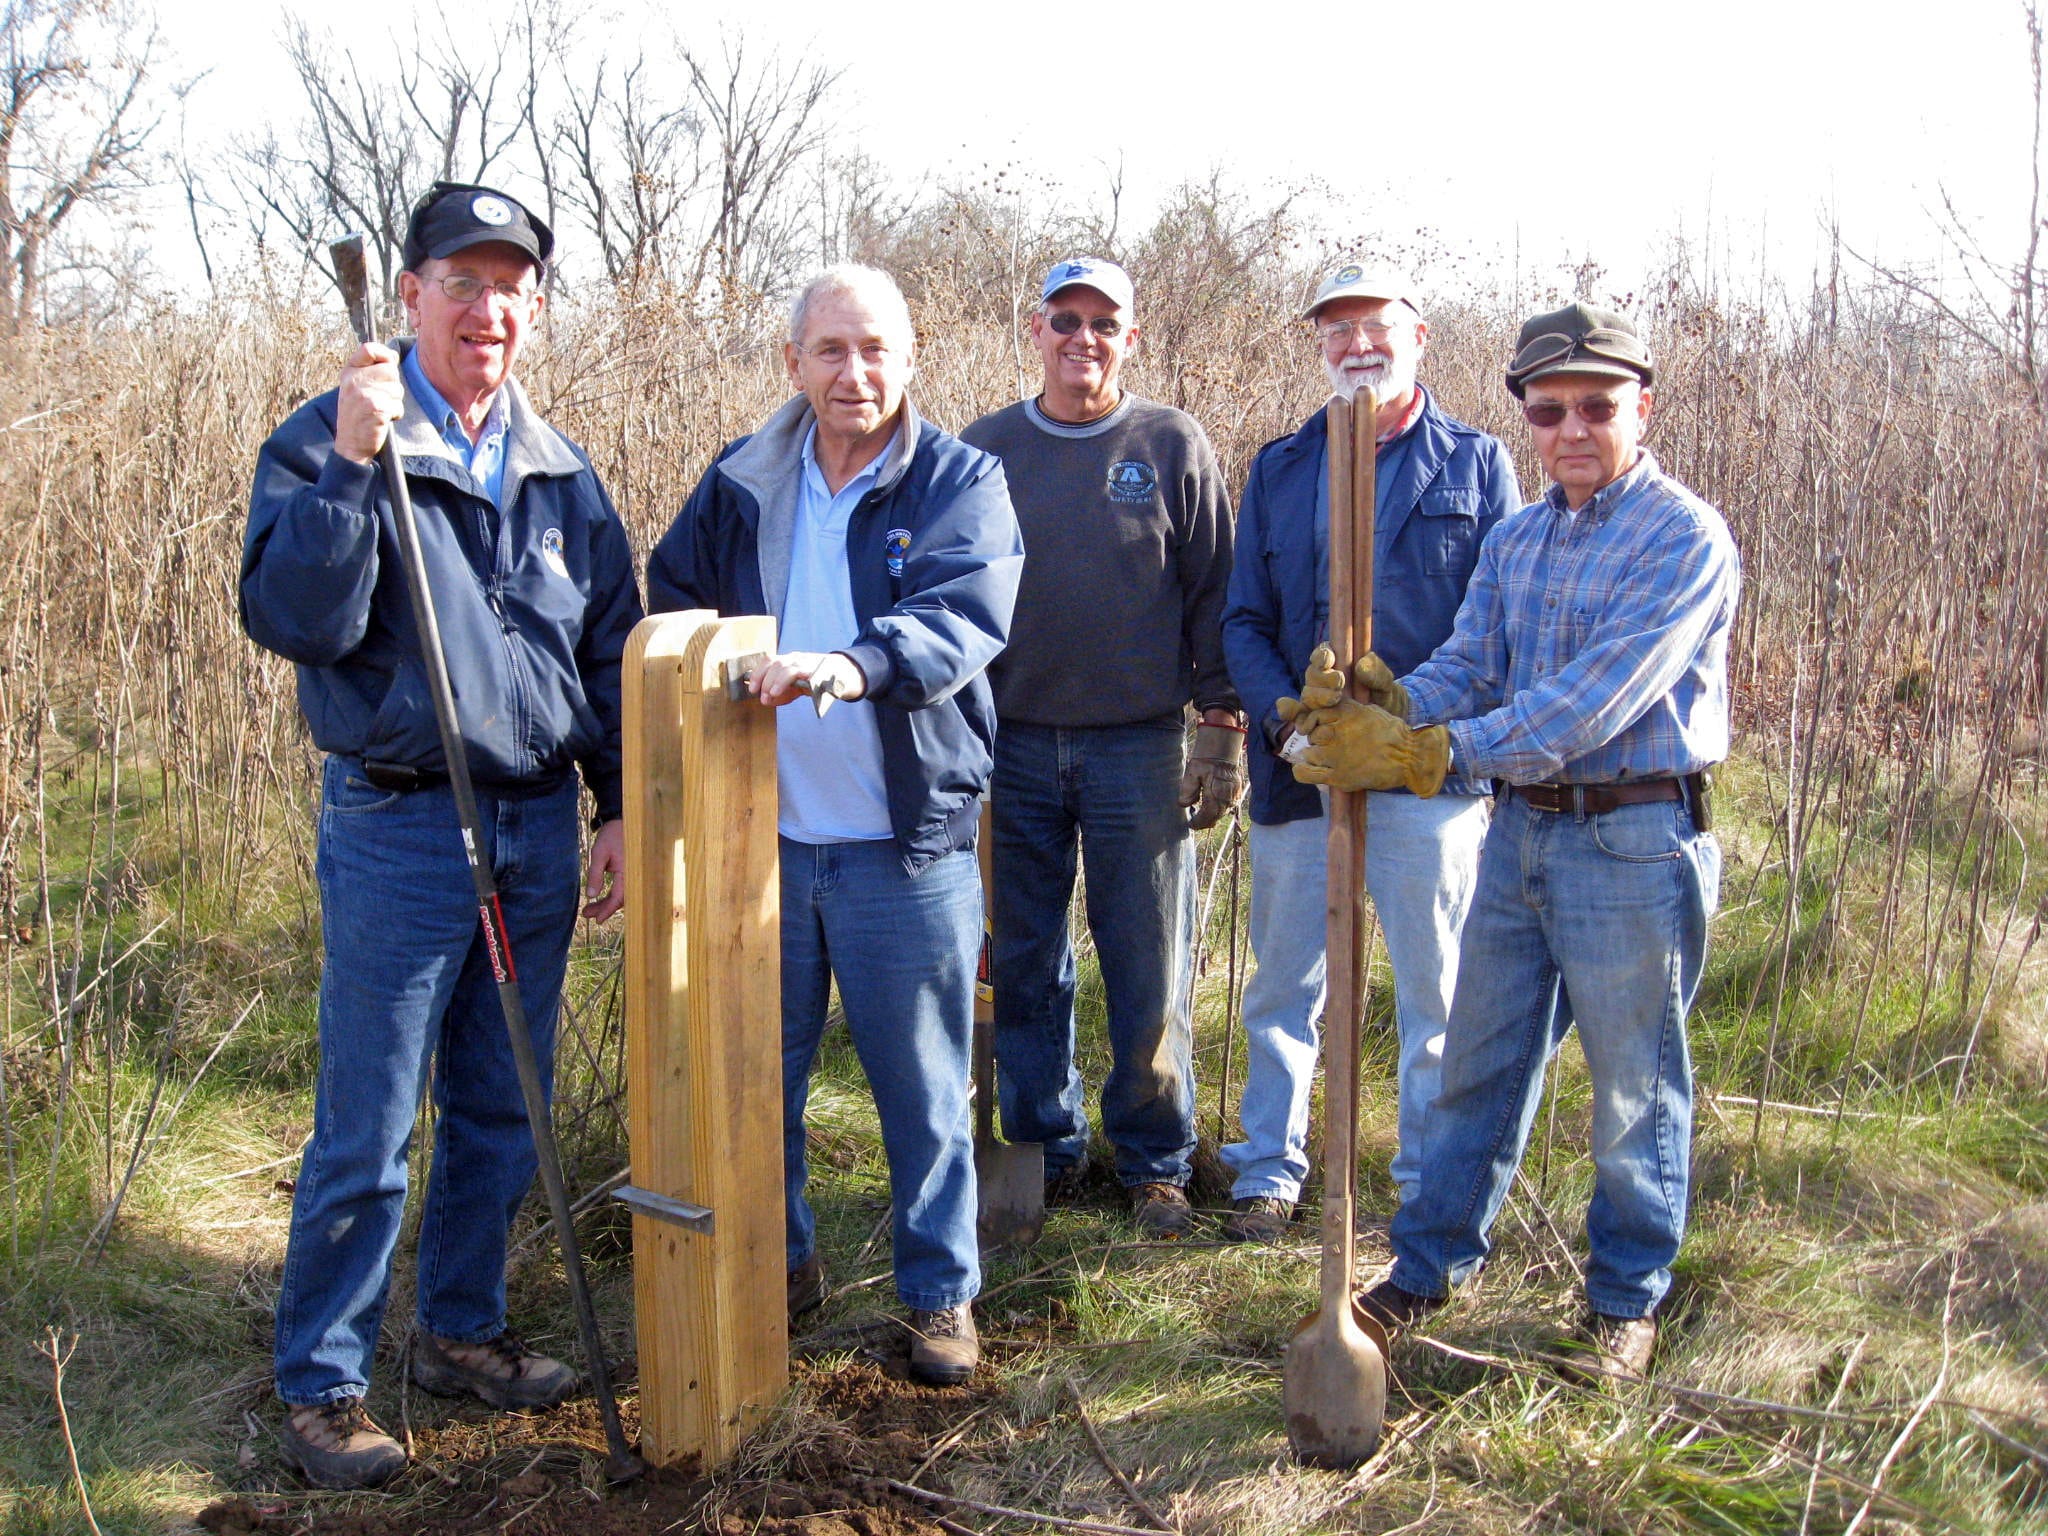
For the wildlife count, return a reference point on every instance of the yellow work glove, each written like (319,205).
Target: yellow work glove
(1214,779)
(1377,679)
(1360,746)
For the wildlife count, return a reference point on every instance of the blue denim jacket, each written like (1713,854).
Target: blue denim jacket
(933,557)
(1453,483)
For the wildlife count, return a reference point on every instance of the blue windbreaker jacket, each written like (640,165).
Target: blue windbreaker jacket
(1454,485)
(933,557)
(534,604)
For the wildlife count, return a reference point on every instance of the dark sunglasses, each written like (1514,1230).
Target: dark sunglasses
(1065,322)
(1593,410)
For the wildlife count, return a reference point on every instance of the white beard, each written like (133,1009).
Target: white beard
(1388,377)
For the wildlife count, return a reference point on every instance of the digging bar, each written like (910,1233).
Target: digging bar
(622,1464)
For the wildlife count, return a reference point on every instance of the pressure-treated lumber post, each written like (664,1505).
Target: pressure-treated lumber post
(704,1035)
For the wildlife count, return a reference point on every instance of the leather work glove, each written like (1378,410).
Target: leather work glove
(1377,679)
(1361,746)
(1322,685)
(1214,779)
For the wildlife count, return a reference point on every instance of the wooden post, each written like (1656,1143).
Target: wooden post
(704,1035)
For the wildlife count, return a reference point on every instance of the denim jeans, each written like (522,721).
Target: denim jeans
(407,983)
(1421,859)
(1113,790)
(903,950)
(1601,922)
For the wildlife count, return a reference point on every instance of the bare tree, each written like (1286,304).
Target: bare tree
(75,123)
(628,164)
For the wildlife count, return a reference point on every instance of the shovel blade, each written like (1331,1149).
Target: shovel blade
(1334,1389)
(1011,1176)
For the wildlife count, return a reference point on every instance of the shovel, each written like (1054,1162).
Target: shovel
(1334,1387)
(1009,1175)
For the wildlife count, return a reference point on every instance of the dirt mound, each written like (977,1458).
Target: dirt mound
(819,1470)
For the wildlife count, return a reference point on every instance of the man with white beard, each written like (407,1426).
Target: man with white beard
(1441,486)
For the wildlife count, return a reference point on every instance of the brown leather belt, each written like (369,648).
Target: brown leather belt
(1593,799)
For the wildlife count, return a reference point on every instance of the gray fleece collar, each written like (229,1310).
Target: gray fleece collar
(769,466)
(532,447)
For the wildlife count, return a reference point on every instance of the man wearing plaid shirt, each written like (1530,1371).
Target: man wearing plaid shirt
(1587,677)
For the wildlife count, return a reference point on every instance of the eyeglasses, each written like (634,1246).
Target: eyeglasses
(1340,332)
(1593,410)
(464,289)
(833,354)
(1065,322)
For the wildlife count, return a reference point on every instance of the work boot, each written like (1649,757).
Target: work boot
(1607,1351)
(806,1287)
(944,1348)
(1161,1210)
(1394,1309)
(1258,1219)
(501,1371)
(337,1446)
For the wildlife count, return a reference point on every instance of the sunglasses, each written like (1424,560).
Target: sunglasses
(1593,410)
(1065,322)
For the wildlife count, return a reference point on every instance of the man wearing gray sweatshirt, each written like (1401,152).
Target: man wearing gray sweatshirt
(1127,536)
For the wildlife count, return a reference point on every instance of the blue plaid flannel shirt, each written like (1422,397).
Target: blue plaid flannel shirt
(1591,647)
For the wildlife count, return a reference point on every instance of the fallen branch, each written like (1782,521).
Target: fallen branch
(1003,1511)
(1143,1505)
(57,1356)
(1948,1310)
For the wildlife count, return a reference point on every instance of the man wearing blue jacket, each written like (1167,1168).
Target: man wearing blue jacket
(534,594)
(1441,486)
(888,552)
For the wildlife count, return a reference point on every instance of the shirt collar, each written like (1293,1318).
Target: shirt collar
(442,414)
(1407,422)
(862,478)
(1602,501)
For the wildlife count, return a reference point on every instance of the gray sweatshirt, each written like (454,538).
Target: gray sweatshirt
(1127,531)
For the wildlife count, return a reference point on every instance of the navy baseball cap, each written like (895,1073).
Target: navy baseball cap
(455,215)
(1105,277)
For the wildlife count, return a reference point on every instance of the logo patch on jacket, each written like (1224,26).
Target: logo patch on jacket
(1130,480)
(896,543)
(551,551)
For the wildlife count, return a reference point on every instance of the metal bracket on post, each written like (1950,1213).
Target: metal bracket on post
(647,1203)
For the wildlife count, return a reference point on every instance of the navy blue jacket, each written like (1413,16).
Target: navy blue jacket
(534,604)
(1454,484)
(933,558)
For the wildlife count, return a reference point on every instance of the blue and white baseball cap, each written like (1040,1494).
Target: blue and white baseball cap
(1105,277)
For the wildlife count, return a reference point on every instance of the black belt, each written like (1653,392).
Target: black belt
(1598,799)
(401,778)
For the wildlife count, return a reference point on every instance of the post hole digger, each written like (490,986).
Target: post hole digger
(622,1463)
(1334,1388)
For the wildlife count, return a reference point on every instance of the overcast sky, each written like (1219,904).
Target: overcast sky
(1558,132)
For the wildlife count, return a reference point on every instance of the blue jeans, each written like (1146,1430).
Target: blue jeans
(903,949)
(406,982)
(1113,791)
(1421,859)
(1601,922)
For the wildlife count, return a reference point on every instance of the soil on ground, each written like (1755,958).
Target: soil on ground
(543,1474)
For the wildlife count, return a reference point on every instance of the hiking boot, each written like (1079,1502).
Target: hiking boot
(501,1371)
(1394,1309)
(944,1348)
(1607,1351)
(1258,1219)
(806,1287)
(1161,1210)
(337,1446)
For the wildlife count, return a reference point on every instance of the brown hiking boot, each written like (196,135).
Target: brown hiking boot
(806,1287)
(501,1371)
(336,1445)
(1258,1219)
(944,1348)
(1161,1210)
(1607,1351)
(1394,1309)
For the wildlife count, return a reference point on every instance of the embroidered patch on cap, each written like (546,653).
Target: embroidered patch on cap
(1130,480)
(551,551)
(896,542)
(487,209)
(1348,275)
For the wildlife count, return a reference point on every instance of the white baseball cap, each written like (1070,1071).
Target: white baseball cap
(1363,280)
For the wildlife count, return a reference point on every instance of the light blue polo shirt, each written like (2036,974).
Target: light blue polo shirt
(484,458)
(829,770)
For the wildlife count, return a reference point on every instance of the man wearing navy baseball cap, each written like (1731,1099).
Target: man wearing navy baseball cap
(1126,524)
(534,594)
